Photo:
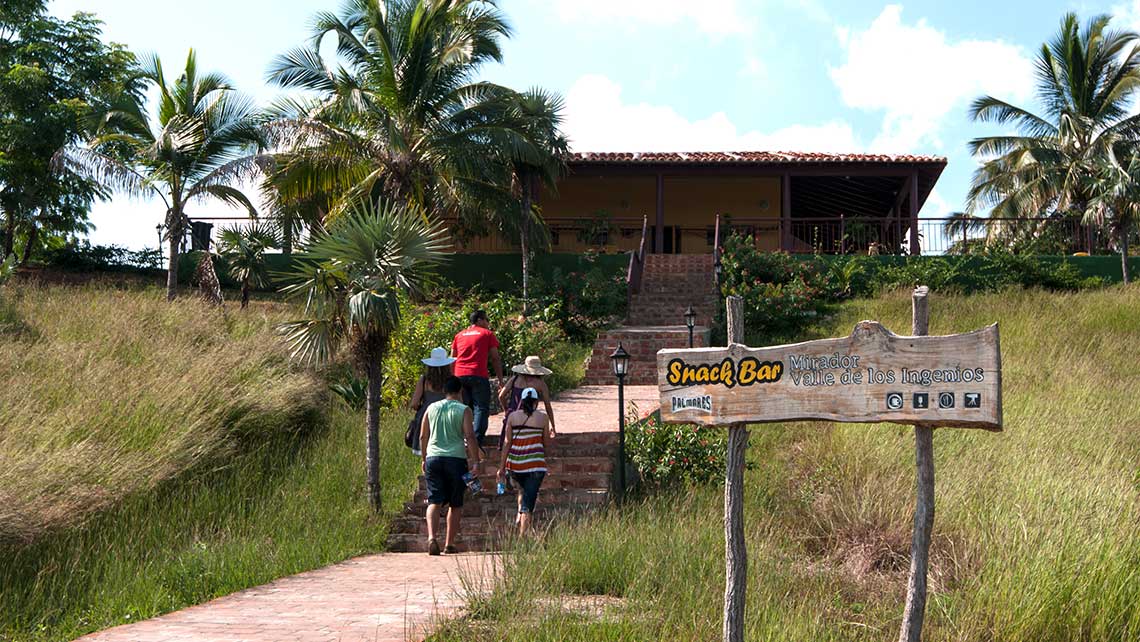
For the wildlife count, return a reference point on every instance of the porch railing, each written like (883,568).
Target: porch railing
(819,235)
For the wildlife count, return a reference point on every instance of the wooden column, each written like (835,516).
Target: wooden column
(735,554)
(913,612)
(786,212)
(915,246)
(659,234)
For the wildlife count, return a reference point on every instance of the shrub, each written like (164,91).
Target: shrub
(781,292)
(87,257)
(425,326)
(583,302)
(671,454)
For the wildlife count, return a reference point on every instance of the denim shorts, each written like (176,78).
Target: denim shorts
(445,480)
(529,484)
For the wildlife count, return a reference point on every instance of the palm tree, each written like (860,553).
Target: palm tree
(401,115)
(537,115)
(204,138)
(350,286)
(243,250)
(1115,204)
(1086,80)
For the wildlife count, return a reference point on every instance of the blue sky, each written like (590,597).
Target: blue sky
(657,75)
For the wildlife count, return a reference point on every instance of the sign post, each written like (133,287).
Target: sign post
(870,376)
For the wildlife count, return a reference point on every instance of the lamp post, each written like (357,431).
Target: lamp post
(717,267)
(690,321)
(620,361)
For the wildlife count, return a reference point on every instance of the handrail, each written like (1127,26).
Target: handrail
(636,264)
(716,253)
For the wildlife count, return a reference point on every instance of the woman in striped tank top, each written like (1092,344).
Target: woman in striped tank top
(525,441)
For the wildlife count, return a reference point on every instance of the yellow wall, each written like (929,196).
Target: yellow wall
(691,203)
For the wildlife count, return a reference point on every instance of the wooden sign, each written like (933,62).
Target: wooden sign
(873,375)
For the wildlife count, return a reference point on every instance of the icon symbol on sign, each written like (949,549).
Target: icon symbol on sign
(945,400)
(972,400)
(894,401)
(921,400)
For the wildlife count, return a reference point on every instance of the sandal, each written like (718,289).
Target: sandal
(433,547)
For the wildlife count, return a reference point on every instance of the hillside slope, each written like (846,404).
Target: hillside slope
(1036,533)
(155,455)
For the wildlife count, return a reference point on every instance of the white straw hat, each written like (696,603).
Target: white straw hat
(532,365)
(438,358)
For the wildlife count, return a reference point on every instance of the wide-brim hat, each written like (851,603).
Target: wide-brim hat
(532,365)
(438,358)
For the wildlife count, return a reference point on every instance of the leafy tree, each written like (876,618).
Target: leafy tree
(53,75)
(204,138)
(1115,204)
(243,250)
(537,115)
(401,114)
(1086,80)
(350,287)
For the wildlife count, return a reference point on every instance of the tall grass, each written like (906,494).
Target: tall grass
(1037,532)
(156,455)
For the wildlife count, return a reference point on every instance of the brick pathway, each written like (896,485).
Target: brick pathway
(379,598)
(594,408)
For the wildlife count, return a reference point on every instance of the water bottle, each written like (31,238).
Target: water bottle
(501,488)
(473,483)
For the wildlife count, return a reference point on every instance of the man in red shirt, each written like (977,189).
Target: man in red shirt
(471,348)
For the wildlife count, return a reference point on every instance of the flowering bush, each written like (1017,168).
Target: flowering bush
(781,293)
(669,454)
(584,301)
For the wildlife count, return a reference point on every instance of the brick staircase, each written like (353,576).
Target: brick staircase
(579,480)
(670,283)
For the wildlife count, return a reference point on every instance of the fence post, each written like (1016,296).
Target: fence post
(914,611)
(735,554)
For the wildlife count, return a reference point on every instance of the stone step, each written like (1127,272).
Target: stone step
(552,480)
(416,543)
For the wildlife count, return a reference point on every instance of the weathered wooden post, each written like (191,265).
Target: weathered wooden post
(735,553)
(911,630)
(870,376)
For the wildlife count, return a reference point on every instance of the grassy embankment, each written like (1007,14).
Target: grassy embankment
(156,455)
(1037,532)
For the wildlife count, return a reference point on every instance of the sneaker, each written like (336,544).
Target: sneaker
(433,547)
(450,550)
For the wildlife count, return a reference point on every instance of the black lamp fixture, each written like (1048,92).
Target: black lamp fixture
(620,361)
(690,322)
(717,267)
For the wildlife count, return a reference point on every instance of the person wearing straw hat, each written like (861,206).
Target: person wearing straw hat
(429,389)
(527,374)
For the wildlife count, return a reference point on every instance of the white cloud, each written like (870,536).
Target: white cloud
(918,77)
(718,17)
(1127,15)
(597,120)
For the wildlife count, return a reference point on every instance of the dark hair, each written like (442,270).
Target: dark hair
(478,315)
(436,376)
(452,385)
(528,405)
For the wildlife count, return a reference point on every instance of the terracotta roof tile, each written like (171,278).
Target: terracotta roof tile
(744,158)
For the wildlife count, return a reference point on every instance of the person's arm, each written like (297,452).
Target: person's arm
(508,433)
(425,434)
(546,435)
(497,362)
(545,392)
(418,395)
(473,453)
(505,393)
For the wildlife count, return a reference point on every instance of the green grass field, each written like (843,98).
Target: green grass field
(1037,531)
(154,456)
